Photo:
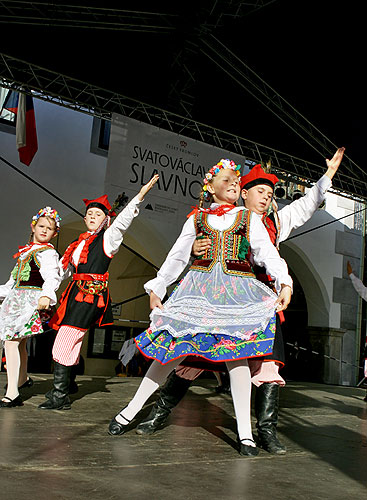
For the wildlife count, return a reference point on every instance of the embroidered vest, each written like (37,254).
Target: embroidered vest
(26,272)
(97,260)
(230,247)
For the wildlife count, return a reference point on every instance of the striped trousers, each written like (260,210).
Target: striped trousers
(67,345)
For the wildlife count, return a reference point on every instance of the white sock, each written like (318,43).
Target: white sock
(12,367)
(155,376)
(240,379)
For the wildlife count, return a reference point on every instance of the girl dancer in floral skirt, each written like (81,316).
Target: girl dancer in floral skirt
(30,289)
(219,311)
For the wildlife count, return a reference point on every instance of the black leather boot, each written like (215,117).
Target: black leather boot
(58,397)
(73,388)
(170,395)
(266,411)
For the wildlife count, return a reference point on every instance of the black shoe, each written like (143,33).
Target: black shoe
(117,429)
(246,450)
(27,383)
(56,404)
(155,420)
(58,397)
(223,389)
(170,395)
(270,443)
(11,403)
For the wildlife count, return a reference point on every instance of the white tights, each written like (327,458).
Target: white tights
(16,365)
(240,379)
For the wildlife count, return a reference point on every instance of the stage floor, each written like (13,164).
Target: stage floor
(69,455)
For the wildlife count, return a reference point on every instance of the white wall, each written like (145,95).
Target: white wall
(63,164)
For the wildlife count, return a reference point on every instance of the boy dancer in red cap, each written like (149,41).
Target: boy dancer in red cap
(257,193)
(86,300)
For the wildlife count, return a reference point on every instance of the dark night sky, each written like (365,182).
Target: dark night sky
(311,52)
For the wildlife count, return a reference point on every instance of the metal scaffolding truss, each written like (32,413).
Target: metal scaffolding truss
(252,83)
(86,16)
(207,18)
(80,96)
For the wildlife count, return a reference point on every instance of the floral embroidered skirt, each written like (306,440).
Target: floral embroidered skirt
(214,316)
(19,316)
(161,346)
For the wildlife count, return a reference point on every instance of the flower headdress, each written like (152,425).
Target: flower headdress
(47,212)
(222,164)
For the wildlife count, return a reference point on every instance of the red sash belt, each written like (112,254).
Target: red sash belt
(95,284)
(90,277)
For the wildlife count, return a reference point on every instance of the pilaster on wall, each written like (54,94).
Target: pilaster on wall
(327,347)
(349,244)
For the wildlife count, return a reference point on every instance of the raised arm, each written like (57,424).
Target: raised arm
(300,211)
(357,283)
(114,235)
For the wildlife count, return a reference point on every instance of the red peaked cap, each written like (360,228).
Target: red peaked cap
(257,176)
(102,200)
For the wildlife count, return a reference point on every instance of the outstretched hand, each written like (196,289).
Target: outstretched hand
(283,298)
(349,268)
(145,189)
(155,301)
(334,163)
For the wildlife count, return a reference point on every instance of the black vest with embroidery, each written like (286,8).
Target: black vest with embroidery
(97,261)
(230,246)
(85,314)
(26,272)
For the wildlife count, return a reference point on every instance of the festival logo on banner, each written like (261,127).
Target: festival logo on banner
(137,151)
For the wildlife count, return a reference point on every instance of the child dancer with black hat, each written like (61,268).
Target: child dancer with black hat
(86,300)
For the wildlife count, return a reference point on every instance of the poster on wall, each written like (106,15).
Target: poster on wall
(138,150)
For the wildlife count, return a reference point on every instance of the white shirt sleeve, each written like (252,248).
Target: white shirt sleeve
(359,286)
(65,273)
(114,235)
(176,261)
(49,270)
(266,255)
(300,211)
(5,289)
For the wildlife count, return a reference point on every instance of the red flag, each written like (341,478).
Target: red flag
(26,134)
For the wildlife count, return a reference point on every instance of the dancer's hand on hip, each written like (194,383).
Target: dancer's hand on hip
(284,298)
(155,301)
(43,303)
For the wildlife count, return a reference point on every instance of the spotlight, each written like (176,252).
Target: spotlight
(280,192)
(296,195)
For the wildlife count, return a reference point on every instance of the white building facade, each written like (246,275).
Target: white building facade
(325,316)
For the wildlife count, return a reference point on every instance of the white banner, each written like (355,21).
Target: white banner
(137,151)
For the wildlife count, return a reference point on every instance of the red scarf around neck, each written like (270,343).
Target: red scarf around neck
(27,247)
(219,210)
(88,238)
